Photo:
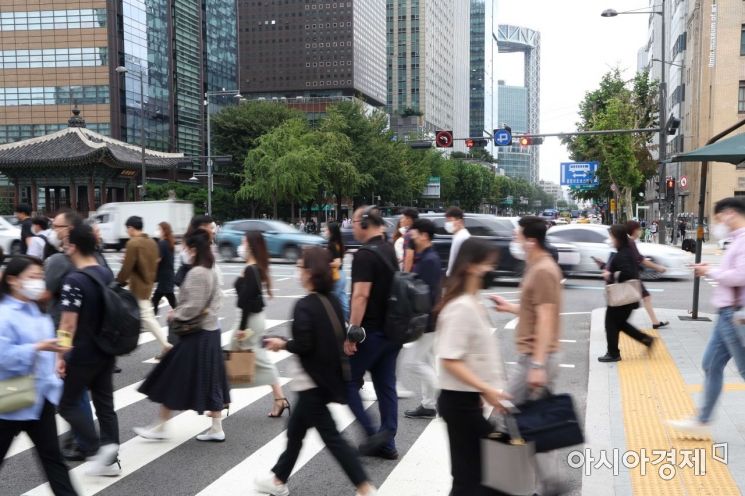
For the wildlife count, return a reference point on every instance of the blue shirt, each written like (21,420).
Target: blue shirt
(22,325)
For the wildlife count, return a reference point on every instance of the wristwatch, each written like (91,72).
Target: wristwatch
(537,365)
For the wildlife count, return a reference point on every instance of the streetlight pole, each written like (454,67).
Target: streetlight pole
(662,154)
(210,174)
(139,74)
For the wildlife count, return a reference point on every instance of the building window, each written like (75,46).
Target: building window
(741,98)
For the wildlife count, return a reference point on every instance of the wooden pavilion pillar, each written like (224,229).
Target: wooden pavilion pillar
(73,194)
(104,195)
(34,197)
(16,191)
(91,196)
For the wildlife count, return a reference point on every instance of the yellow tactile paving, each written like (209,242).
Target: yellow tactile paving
(652,391)
(697,388)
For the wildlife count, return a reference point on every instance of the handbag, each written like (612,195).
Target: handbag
(240,366)
(185,327)
(508,461)
(550,422)
(619,294)
(18,392)
(345,368)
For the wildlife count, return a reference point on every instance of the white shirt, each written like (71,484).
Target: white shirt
(458,239)
(37,244)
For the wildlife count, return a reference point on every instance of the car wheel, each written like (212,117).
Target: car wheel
(227,252)
(15,248)
(291,254)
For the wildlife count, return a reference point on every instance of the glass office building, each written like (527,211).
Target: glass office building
(513,109)
(174,51)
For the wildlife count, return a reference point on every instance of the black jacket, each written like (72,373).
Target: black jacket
(319,347)
(624,261)
(249,290)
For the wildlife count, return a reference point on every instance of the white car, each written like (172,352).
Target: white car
(592,240)
(10,237)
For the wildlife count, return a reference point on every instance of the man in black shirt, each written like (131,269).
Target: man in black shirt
(86,366)
(371,285)
(23,214)
(419,358)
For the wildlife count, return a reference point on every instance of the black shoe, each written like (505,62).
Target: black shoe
(609,358)
(649,343)
(660,325)
(421,413)
(386,454)
(374,444)
(73,454)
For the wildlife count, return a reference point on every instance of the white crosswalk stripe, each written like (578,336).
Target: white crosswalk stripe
(429,451)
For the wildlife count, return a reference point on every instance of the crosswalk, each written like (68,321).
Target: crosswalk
(182,466)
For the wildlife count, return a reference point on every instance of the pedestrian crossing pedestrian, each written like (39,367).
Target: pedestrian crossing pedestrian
(183,466)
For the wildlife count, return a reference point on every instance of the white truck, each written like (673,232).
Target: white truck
(111,217)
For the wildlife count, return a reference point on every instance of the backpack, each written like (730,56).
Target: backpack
(120,327)
(49,248)
(409,303)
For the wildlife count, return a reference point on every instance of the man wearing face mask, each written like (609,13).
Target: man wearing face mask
(455,225)
(729,298)
(39,245)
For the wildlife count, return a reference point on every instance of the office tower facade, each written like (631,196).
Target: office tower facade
(64,55)
(313,49)
(483,102)
(428,59)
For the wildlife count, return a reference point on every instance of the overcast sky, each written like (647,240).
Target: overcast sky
(577,48)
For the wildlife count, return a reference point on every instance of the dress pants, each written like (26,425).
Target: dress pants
(616,321)
(311,411)
(43,433)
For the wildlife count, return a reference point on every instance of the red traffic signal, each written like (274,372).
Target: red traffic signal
(469,143)
(670,183)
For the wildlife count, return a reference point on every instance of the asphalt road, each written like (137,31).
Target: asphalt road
(184,466)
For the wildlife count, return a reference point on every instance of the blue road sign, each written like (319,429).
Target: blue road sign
(579,174)
(502,137)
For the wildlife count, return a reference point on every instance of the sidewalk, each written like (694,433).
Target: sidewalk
(628,403)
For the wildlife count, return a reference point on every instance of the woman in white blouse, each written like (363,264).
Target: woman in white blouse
(471,370)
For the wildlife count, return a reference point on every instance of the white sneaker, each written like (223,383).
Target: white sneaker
(215,437)
(368,394)
(371,492)
(691,426)
(154,432)
(267,485)
(105,461)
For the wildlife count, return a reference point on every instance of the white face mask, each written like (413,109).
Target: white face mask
(720,231)
(242,252)
(32,289)
(450,226)
(54,240)
(402,230)
(158,233)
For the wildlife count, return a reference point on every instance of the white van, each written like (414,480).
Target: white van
(112,216)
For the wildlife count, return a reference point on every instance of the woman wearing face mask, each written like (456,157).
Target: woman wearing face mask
(471,369)
(635,231)
(252,327)
(335,245)
(165,276)
(28,345)
(192,375)
(622,266)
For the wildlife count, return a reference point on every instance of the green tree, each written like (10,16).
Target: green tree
(624,159)
(237,129)
(285,166)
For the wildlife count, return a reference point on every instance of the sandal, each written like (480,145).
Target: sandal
(285,406)
(660,325)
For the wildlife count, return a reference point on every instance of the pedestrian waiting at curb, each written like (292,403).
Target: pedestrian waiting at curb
(322,370)
(725,342)
(622,266)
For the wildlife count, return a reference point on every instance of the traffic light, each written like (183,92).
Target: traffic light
(469,143)
(530,140)
(670,187)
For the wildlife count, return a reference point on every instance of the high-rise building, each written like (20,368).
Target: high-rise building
(428,59)
(483,104)
(56,56)
(313,49)
(519,106)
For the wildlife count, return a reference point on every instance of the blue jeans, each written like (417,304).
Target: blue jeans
(724,344)
(378,355)
(340,292)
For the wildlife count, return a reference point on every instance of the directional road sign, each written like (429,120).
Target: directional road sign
(444,139)
(502,137)
(579,174)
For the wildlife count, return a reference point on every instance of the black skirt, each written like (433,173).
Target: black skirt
(191,376)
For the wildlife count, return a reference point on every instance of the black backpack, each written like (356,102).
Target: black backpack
(49,248)
(120,327)
(409,303)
